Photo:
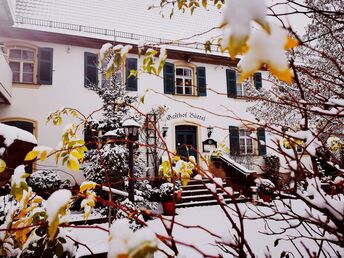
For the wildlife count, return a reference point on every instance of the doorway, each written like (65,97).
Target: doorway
(186,141)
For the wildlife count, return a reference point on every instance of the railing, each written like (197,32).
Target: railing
(107,32)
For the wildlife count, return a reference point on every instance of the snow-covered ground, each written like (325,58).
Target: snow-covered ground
(213,218)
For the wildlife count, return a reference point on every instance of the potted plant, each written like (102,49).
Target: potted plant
(169,200)
(265,189)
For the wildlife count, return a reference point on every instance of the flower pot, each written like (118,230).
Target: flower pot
(169,208)
(266,197)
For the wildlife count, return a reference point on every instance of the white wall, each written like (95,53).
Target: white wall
(37,101)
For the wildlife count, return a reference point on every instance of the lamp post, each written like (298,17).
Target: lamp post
(131,129)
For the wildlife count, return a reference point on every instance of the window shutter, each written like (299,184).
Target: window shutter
(169,80)
(231,83)
(234,140)
(257,77)
(45,66)
(91,69)
(261,137)
(131,82)
(201,81)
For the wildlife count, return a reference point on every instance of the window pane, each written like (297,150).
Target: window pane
(179,82)
(27,77)
(15,67)
(188,90)
(179,71)
(179,90)
(16,76)
(91,60)
(187,72)
(242,132)
(28,55)
(28,68)
(188,82)
(15,54)
(91,75)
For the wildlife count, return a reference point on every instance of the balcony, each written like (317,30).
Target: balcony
(5,80)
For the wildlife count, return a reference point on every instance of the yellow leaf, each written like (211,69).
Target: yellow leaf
(31,155)
(284,75)
(43,155)
(2,165)
(72,164)
(53,225)
(76,154)
(204,3)
(87,185)
(290,43)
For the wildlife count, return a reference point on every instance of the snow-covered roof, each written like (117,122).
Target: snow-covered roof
(130,16)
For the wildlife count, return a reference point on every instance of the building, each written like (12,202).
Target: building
(52,46)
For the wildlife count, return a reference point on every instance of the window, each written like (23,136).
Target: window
(184,81)
(22,63)
(240,88)
(31,65)
(90,69)
(235,88)
(245,141)
(117,76)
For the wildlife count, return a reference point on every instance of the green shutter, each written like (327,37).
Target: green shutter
(231,83)
(261,137)
(45,66)
(131,83)
(257,80)
(169,80)
(201,81)
(234,140)
(90,69)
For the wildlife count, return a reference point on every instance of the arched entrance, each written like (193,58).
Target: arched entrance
(186,141)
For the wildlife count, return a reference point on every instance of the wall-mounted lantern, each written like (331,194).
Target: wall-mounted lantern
(210,130)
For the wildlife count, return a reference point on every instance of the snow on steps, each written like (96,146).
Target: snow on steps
(196,194)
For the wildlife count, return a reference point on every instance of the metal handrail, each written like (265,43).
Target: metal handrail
(106,32)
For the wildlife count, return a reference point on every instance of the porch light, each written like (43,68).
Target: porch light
(210,130)
(164,131)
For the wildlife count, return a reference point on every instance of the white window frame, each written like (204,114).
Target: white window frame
(22,61)
(184,78)
(240,86)
(245,135)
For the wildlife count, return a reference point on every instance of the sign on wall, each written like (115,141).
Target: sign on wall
(186,115)
(209,145)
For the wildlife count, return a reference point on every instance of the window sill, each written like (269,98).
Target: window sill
(185,95)
(26,85)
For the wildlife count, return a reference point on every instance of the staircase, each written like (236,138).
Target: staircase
(197,194)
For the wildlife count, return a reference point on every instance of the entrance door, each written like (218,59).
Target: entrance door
(186,141)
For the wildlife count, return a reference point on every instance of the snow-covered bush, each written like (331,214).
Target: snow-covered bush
(167,190)
(46,181)
(115,159)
